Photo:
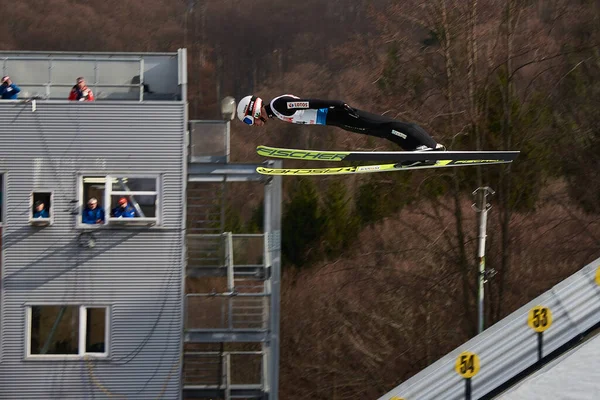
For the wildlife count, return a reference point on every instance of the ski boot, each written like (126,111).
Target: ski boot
(438,147)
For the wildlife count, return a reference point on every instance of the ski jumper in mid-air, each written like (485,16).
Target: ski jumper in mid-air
(289,108)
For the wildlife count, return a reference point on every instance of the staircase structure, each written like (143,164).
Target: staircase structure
(232,280)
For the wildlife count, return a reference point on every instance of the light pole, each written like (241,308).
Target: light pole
(228,112)
(228,108)
(482,209)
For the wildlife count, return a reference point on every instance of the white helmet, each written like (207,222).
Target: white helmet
(248,109)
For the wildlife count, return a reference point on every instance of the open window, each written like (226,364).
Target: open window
(67,331)
(133,199)
(41,211)
(120,199)
(93,210)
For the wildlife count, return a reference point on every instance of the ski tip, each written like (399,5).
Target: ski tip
(263,170)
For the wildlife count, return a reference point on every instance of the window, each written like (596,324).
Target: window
(40,208)
(133,197)
(67,330)
(120,199)
(93,211)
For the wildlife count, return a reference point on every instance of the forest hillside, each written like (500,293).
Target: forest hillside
(380,271)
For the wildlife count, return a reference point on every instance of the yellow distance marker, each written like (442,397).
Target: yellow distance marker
(396,398)
(598,276)
(467,364)
(539,318)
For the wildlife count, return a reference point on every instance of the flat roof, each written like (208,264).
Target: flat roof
(83,53)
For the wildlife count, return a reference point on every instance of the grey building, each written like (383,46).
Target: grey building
(93,310)
(119,279)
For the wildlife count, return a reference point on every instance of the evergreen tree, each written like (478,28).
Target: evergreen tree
(378,198)
(577,122)
(255,224)
(233,220)
(340,226)
(368,204)
(302,224)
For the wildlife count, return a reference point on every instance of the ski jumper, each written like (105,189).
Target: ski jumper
(293,109)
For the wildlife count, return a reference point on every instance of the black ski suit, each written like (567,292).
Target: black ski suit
(292,109)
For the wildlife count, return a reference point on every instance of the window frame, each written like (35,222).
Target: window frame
(109,192)
(107,201)
(41,221)
(81,202)
(81,334)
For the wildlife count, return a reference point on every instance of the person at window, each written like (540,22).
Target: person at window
(80,92)
(40,210)
(92,214)
(8,90)
(123,210)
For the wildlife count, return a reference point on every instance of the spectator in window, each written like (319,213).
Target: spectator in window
(123,210)
(92,214)
(81,92)
(8,90)
(40,210)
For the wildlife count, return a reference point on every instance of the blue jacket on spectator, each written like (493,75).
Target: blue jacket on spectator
(90,216)
(9,92)
(127,212)
(41,214)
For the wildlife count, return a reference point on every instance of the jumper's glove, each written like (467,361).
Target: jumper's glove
(351,111)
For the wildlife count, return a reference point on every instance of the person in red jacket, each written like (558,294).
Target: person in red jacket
(81,92)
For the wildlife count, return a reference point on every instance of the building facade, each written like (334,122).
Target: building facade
(91,301)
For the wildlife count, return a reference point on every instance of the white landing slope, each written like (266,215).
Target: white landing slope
(573,376)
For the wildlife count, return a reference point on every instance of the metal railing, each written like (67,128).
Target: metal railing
(53,77)
(227,311)
(209,251)
(229,261)
(239,301)
(223,369)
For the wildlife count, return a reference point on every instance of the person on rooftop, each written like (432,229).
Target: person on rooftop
(8,90)
(80,92)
